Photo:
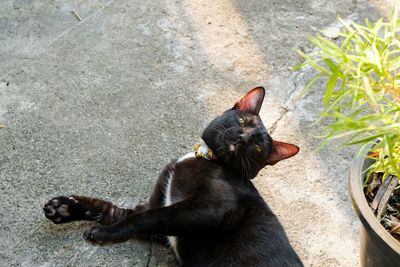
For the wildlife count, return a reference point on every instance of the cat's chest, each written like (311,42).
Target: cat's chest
(169,199)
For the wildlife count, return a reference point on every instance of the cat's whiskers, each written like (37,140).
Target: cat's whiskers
(248,167)
(255,161)
(243,166)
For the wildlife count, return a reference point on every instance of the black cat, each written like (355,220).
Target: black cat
(204,202)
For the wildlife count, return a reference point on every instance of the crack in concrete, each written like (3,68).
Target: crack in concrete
(289,97)
(150,252)
(291,92)
(354,5)
(80,22)
(61,35)
(272,129)
(285,108)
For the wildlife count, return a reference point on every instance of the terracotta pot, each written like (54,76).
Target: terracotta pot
(378,248)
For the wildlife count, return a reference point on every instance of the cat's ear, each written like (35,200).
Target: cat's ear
(252,101)
(280,151)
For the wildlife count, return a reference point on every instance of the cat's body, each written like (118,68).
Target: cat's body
(241,228)
(207,207)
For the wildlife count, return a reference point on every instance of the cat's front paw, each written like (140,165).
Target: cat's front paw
(98,235)
(61,209)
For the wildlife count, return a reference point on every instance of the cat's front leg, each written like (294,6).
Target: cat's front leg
(186,217)
(74,208)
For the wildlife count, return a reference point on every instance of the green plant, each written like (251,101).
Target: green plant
(362,94)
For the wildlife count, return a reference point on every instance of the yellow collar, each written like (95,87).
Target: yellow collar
(201,150)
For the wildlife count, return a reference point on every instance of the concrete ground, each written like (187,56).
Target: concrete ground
(97,102)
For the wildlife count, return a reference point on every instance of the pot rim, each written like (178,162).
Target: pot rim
(360,203)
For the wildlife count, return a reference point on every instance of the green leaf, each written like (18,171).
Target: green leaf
(336,103)
(330,87)
(364,140)
(362,91)
(394,17)
(333,67)
(394,64)
(376,58)
(369,91)
(311,83)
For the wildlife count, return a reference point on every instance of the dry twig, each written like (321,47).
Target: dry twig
(76,15)
(74,12)
(379,204)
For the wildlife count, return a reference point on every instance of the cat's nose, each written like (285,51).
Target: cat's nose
(244,138)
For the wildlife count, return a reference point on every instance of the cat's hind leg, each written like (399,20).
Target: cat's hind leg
(75,208)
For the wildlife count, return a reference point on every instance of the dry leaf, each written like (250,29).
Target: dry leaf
(372,187)
(395,229)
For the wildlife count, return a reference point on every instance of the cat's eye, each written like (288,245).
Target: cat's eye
(242,122)
(258,148)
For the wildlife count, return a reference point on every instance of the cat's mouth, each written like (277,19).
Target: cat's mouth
(232,142)
(232,148)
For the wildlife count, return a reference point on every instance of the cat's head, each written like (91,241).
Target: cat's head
(238,137)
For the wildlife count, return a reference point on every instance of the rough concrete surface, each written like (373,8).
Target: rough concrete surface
(98,106)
